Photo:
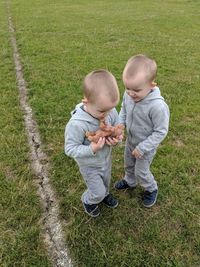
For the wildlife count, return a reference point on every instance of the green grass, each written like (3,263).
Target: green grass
(20,232)
(60,42)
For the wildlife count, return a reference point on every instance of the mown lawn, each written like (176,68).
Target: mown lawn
(60,42)
(21,241)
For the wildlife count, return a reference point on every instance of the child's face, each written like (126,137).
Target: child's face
(100,108)
(137,89)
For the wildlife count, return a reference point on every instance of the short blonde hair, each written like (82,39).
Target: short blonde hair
(141,63)
(100,82)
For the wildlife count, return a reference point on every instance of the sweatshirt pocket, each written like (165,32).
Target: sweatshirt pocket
(141,132)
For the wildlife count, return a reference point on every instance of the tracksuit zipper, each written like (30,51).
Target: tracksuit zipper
(131,122)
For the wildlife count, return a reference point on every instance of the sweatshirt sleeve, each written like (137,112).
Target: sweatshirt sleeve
(74,137)
(160,119)
(122,113)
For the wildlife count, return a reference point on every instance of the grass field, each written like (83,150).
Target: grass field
(20,238)
(59,43)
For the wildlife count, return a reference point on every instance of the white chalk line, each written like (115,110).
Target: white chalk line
(52,228)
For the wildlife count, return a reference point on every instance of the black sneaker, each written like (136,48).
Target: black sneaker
(149,198)
(92,210)
(122,184)
(110,201)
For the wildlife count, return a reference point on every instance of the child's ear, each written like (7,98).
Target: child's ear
(84,100)
(153,84)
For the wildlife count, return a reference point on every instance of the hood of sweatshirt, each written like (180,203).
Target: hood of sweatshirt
(81,115)
(153,95)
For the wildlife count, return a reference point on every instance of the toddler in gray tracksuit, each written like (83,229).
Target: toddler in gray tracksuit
(146,118)
(101,95)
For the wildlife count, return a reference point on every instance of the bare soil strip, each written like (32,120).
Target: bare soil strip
(51,225)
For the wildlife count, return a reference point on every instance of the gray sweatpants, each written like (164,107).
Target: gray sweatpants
(97,180)
(137,171)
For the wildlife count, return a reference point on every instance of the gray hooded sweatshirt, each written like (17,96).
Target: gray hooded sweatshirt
(146,121)
(78,146)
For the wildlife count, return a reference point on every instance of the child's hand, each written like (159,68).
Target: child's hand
(136,154)
(112,141)
(97,146)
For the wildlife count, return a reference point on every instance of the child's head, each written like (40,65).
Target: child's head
(101,93)
(139,75)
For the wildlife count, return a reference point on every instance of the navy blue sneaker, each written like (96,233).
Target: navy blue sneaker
(149,198)
(120,185)
(110,201)
(91,209)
